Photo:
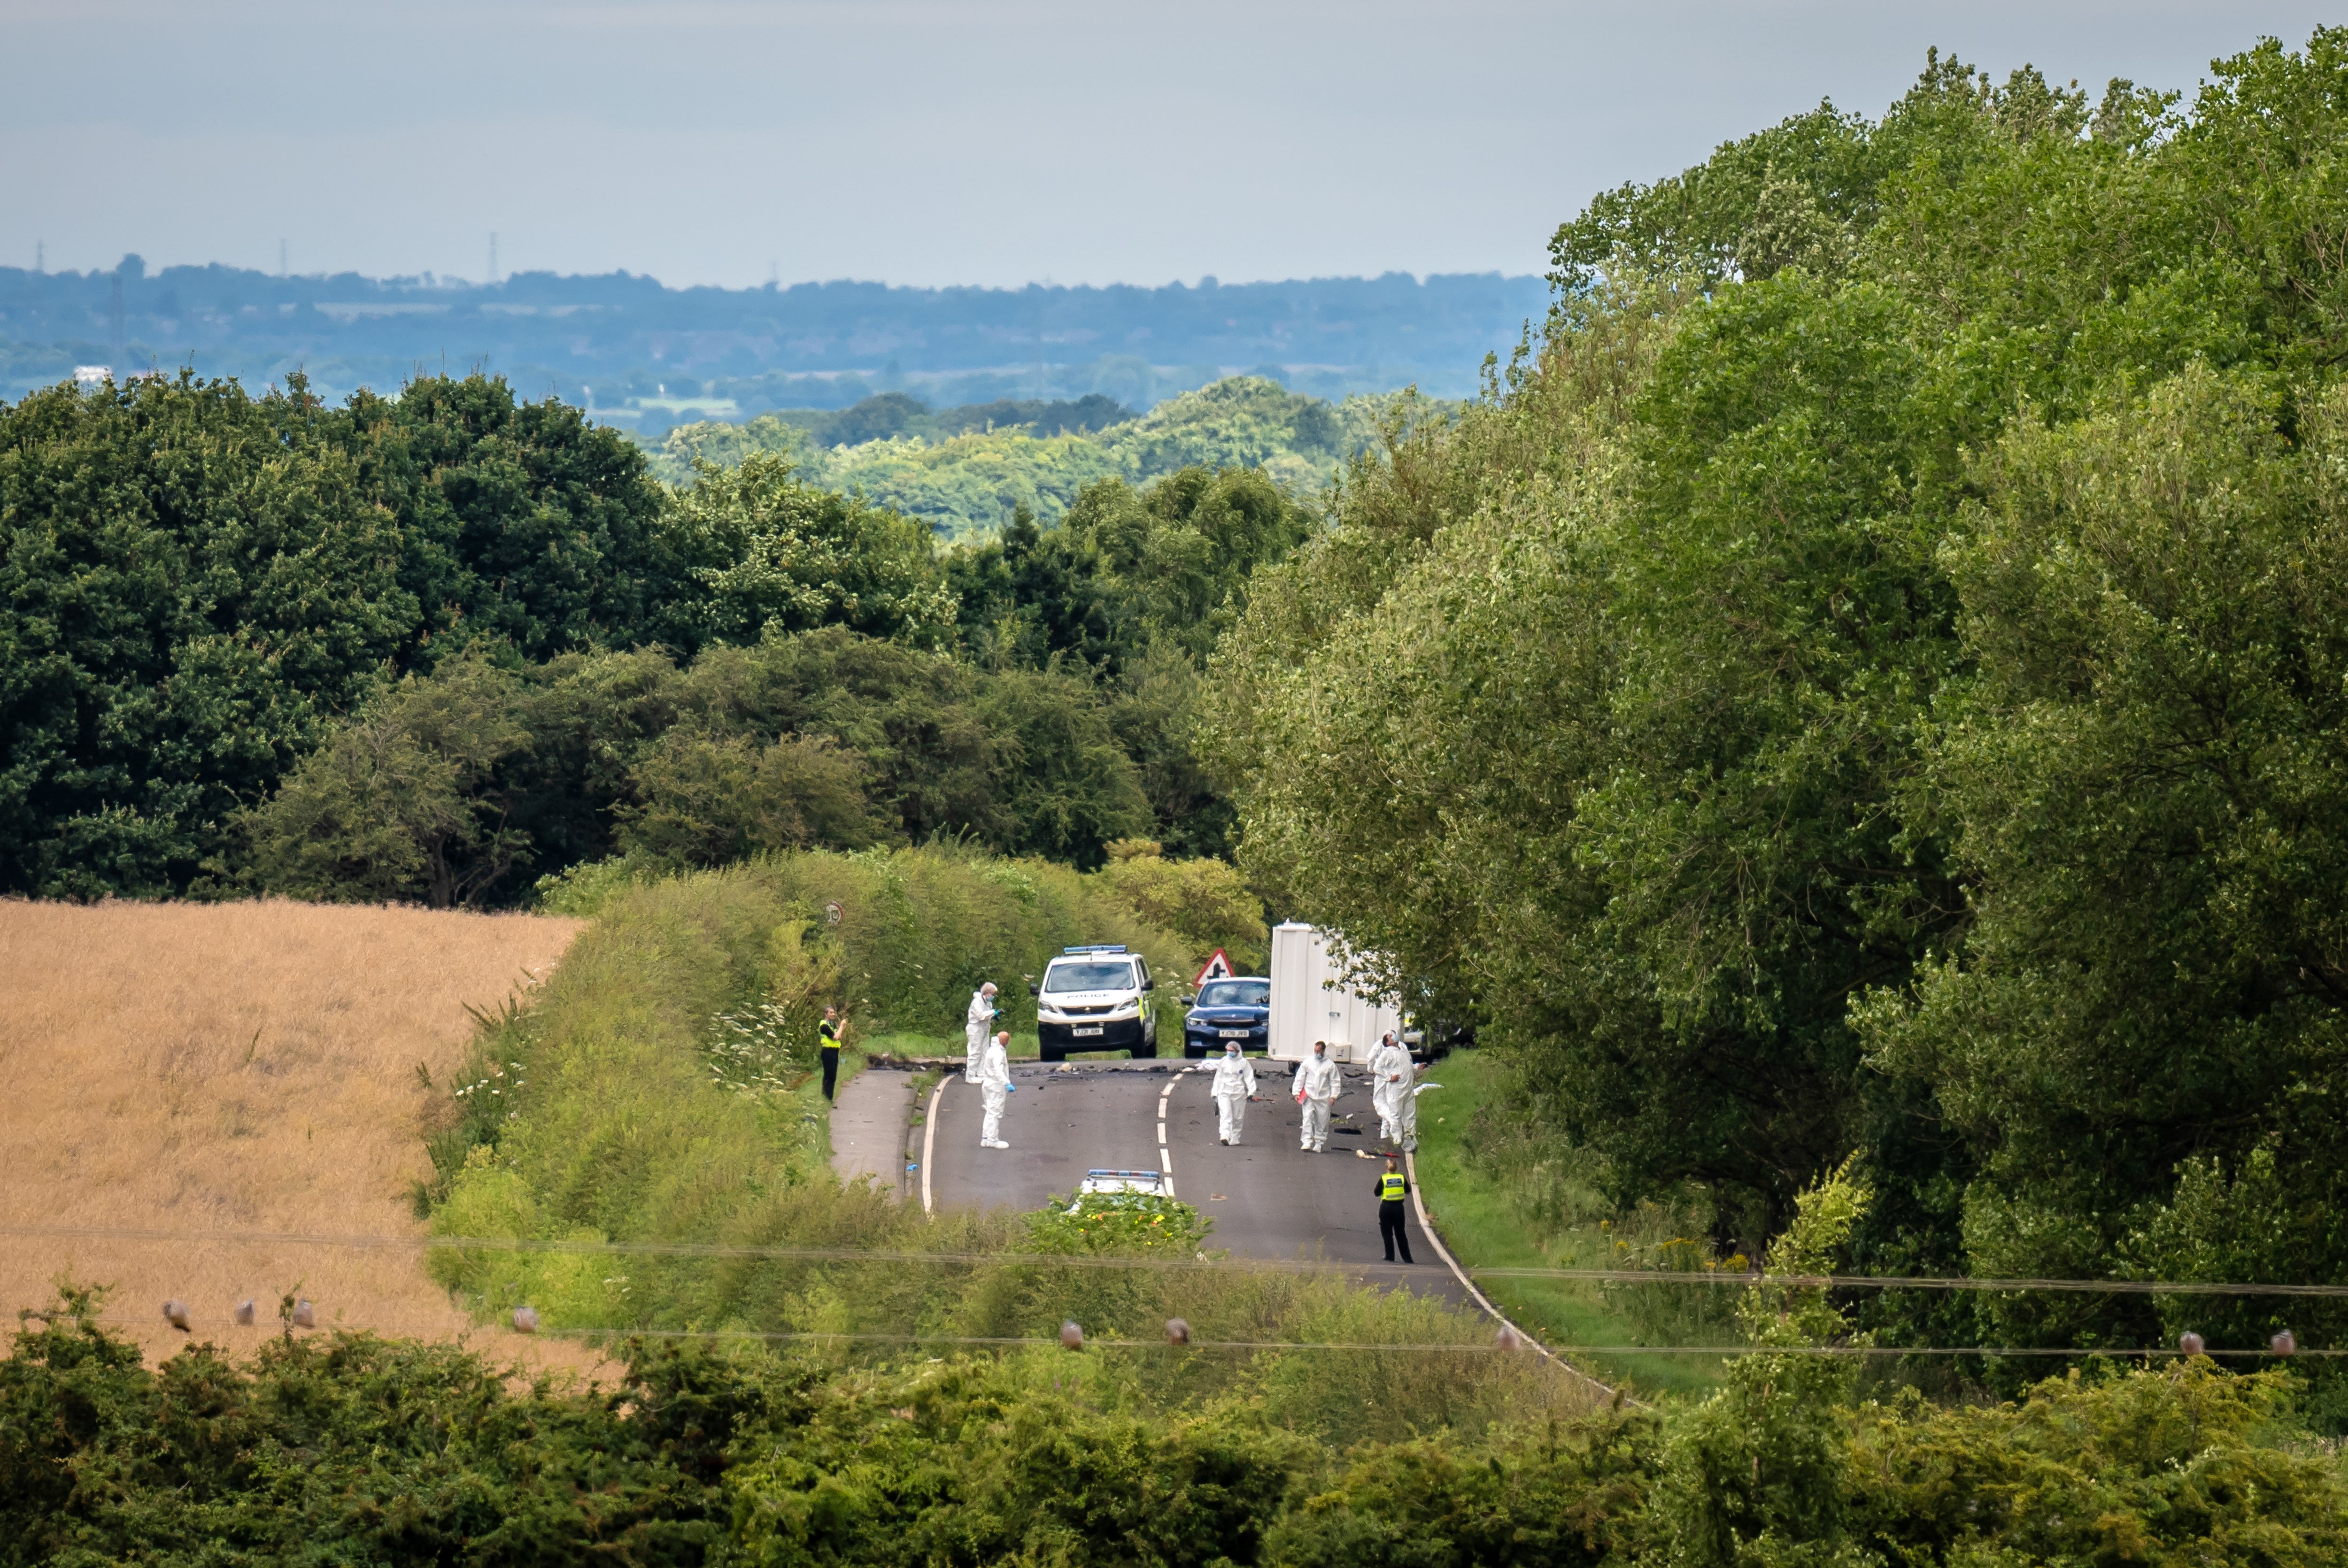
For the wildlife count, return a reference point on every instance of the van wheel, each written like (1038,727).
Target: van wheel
(1049,1054)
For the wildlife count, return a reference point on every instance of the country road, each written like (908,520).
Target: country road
(1268,1199)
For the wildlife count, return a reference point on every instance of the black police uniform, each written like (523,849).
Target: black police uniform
(1391,1189)
(828,1032)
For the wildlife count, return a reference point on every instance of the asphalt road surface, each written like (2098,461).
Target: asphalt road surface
(1268,1198)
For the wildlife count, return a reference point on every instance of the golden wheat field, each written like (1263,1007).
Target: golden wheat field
(251,1068)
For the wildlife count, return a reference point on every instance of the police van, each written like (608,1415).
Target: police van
(1096,999)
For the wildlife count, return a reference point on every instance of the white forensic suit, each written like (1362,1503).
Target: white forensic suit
(995,1090)
(1322,1082)
(1391,1090)
(1234,1082)
(977,1027)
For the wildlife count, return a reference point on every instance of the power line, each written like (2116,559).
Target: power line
(1086,1260)
(1415,1347)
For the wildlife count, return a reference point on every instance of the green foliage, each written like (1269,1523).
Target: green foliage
(962,485)
(1563,1498)
(2140,776)
(192,582)
(196,583)
(1202,901)
(1506,1192)
(967,1474)
(404,802)
(517,522)
(775,555)
(711,800)
(1136,1223)
(1865,681)
(967,473)
(347,1448)
(1135,586)
(464,785)
(1760,1465)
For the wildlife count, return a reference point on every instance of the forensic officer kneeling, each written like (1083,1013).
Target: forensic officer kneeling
(1393,1188)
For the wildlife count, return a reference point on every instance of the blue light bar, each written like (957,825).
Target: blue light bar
(1071,952)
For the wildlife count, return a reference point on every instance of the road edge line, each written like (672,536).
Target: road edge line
(1165,1150)
(1427,1229)
(929,1141)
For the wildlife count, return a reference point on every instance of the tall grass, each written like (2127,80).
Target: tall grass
(1505,1197)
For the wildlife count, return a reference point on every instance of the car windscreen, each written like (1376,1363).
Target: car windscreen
(1116,975)
(1236,994)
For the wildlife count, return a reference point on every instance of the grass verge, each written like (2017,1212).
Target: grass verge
(1510,1203)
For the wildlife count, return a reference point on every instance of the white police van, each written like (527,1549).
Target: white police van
(1096,999)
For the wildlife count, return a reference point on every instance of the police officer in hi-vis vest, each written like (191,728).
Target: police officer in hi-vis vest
(1393,1188)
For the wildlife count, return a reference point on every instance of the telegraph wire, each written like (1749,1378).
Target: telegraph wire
(1091,1260)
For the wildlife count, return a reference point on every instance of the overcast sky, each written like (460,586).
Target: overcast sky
(942,141)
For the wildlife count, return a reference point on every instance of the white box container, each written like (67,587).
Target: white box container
(1310,1002)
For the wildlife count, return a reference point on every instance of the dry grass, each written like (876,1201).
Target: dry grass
(239,1067)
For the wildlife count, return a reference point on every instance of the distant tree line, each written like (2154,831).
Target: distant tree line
(477,640)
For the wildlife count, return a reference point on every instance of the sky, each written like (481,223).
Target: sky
(994,142)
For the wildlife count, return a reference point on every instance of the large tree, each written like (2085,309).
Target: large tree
(1614,717)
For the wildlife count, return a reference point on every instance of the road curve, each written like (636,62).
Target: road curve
(1268,1198)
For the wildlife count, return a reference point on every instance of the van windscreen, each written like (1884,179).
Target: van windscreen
(1114,974)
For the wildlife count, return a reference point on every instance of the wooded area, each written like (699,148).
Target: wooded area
(1870,681)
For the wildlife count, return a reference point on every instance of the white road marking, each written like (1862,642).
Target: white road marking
(930,1143)
(1165,1154)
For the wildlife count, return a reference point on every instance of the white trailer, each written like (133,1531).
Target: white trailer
(1310,1002)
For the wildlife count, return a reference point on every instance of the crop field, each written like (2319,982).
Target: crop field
(238,1068)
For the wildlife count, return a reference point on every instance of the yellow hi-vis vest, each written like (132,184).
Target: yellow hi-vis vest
(1390,1186)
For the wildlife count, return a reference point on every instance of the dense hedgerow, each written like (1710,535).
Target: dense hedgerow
(350,1448)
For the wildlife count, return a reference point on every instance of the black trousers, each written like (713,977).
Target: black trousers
(1390,1230)
(830,1068)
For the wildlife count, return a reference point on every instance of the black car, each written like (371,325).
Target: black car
(1238,1009)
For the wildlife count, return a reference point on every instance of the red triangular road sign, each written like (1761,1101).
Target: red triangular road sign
(1218,968)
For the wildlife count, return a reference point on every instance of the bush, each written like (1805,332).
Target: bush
(1204,901)
(347,1448)
(1137,1222)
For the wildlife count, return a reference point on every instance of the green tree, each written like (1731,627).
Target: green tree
(2140,778)
(1202,901)
(407,802)
(192,583)
(1609,716)
(520,521)
(772,554)
(709,800)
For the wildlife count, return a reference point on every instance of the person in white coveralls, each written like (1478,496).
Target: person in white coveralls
(1234,1086)
(1393,1092)
(994,1089)
(976,1027)
(1318,1084)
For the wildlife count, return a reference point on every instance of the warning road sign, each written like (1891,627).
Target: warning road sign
(1218,968)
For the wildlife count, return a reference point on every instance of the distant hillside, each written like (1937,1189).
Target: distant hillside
(964,471)
(637,351)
